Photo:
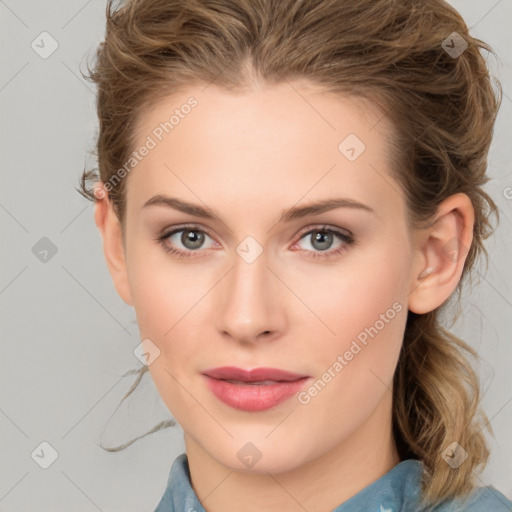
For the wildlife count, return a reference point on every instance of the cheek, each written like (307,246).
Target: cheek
(366,309)
(168,309)
(170,301)
(368,288)
(163,291)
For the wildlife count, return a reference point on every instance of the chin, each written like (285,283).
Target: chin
(254,458)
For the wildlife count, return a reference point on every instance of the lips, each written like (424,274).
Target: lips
(257,375)
(253,390)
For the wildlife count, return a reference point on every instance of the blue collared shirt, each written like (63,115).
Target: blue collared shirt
(396,491)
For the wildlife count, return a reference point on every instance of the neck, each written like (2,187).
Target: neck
(321,484)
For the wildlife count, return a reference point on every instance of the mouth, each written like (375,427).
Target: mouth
(257,375)
(255,383)
(253,390)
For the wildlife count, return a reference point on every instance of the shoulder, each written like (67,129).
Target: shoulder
(482,499)
(406,479)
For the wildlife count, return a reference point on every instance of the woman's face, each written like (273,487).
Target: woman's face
(267,280)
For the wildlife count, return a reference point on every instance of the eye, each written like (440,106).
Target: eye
(321,239)
(183,241)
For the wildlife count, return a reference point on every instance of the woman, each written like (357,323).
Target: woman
(289,192)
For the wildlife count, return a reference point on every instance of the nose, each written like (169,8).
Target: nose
(250,302)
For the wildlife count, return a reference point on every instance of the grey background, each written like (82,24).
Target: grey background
(67,337)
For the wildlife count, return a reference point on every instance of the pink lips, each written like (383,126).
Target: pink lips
(253,390)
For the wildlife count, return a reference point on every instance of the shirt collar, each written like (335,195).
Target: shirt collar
(396,490)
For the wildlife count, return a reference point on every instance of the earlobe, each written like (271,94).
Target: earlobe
(441,255)
(109,226)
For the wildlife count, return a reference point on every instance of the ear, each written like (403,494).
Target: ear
(440,255)
(108,223)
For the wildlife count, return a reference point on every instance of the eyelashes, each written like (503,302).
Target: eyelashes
(344,238)
(200,235)
(164,237)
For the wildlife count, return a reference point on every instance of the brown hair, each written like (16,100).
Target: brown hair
(442,107)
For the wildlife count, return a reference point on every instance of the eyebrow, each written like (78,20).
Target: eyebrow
(293,213)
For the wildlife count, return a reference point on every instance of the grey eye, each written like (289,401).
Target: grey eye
(192,238)
(321,239)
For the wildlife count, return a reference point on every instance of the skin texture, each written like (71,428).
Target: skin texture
(249,157)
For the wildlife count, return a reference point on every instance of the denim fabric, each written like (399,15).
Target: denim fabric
(396,491)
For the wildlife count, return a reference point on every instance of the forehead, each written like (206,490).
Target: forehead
(281,141)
